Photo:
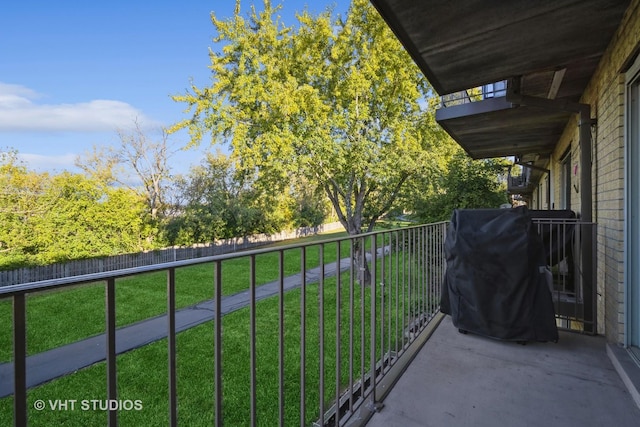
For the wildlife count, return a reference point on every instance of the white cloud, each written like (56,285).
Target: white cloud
(19,113)
(50,163)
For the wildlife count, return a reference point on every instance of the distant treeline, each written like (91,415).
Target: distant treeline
(50,218)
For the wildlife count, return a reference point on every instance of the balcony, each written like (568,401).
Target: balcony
(551,49)
(295,338)
(467,380)
(484,122)
(519,180)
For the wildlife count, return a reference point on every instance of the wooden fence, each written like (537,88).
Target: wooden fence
(159,256)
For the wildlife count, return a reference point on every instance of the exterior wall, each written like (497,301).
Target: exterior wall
(606,95)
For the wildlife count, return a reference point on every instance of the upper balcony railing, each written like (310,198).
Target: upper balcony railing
(480,93)
(518,178)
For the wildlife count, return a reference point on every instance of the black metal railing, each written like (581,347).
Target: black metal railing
(479,93)
(338,318)
(571,263)
(518,178)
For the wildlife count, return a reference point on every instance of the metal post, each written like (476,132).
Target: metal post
(338,331)
(281,335)
(19,360)
(586,211)
(252,334)
(171,341)
(303,335)
(372,326)
(110,314)
(321,330)
(351,318)
(217,340)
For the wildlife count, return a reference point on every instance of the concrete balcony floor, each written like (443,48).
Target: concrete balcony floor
(468,380)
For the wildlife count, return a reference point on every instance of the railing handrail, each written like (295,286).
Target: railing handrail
(577,221)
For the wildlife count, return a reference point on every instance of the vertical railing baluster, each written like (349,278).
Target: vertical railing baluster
(171,342)
(281,336)
(440,271)
(397,292)
(413,283)
(437,270)
(405,250)
(217,284)
(352,271)
(338,330)
(433,265)
(420,274)
(389,289)
(303,334)
(252,337)
(362,285)
(557,290)
(438,254)
(321,329)
(419,277)
(578,288)
(423,275)
(110,319)
(418,281)
(410,283)
(382,306)
(373,326)
(591,270)
(444,254)
(19,360)
(423,272)
(428,244)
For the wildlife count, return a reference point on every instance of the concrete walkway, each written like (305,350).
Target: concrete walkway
(466,380)
(60,361)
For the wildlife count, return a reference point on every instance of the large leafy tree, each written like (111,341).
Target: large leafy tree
(219,202)
(337,101)
(463,184)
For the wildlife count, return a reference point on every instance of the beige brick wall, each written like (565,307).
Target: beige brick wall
(606,95)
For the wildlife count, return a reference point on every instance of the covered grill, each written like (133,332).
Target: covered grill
(496,281)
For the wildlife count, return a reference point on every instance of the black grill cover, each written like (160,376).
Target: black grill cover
(495,283)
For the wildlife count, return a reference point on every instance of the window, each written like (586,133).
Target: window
(632,209)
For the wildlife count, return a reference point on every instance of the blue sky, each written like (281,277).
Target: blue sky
(73,72)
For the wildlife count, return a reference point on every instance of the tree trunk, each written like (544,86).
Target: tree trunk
(351,220)
(360,263)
